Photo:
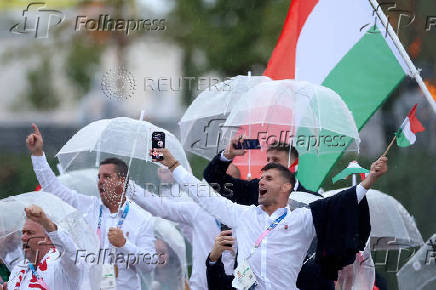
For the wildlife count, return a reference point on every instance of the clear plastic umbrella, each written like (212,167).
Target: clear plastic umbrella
(84,181)
(420,271)
(12,219)
(392,227)
(200,126)
(312,118)
(171,271)
(125,138)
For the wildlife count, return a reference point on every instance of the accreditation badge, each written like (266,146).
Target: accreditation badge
(108,277)
(244,277)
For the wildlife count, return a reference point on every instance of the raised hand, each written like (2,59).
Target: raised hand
(377,169)
(231,152)
(36,214)
(168,159)
(35,142)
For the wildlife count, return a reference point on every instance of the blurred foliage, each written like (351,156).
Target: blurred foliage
(16,173)
(224,36)
(82,63)
(40,92)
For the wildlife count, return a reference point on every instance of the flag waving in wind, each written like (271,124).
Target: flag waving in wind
(406,135)
(349,47)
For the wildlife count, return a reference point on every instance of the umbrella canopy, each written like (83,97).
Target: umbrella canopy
(200,126)
(84,181)
(174,273)
(312,118)
(392,227)
(420,270)
(12,218)
(125,138)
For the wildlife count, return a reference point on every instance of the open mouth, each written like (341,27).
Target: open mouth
(262,192)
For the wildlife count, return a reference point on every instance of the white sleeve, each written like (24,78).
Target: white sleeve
(205,196)
(360,192)
(50,183)
(67,250)
(137,251)
(179,212)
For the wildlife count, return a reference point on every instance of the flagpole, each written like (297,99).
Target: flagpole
(414,73)
(389,146)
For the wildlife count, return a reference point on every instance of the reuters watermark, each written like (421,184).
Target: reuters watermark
(177,84)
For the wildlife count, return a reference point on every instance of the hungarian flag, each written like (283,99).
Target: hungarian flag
(406,135)
(352,168)
(342,45)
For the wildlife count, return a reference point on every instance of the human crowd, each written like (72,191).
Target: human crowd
(244,235)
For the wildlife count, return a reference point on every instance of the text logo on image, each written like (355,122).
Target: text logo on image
(38,20)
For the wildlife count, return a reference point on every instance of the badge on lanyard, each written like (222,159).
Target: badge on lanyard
(244,277)
(108,277)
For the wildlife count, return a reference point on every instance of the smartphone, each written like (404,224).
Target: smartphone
(248,144)
(225,228)
(157,141)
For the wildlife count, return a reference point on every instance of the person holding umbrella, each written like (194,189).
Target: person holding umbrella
(272,240)
(126,229)
(49,256)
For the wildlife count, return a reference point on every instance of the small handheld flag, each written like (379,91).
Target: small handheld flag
(406,135)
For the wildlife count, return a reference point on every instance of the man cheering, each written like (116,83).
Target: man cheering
(45,266)
(272,240)
(128,231)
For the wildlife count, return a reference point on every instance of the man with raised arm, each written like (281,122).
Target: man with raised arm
(201,225)
(126,233)
(49,256)
(272,240)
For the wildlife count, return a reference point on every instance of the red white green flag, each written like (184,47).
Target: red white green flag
(406,135)
(342,45)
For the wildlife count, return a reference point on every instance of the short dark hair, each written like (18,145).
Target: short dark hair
(285,172)
(280,146)
(120,166)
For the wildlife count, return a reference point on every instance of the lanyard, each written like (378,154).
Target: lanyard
(270,228)
(120,221)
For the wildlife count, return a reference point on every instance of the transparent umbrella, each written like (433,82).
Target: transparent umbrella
(171,270)
(392,227)
(125,138)
(200,126)
(312,118)
(12,219)
(420,271)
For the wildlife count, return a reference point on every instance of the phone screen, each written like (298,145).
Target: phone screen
(157,141)
(249,144)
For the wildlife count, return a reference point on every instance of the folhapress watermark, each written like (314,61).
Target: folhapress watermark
(38,20)
(106,23)
(107,256)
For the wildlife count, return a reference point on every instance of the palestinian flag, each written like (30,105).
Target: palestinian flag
(352,168)
(342,45)
(406,135)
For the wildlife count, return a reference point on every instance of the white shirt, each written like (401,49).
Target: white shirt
(56,269)
(278,260)
(204,230)
(137,227)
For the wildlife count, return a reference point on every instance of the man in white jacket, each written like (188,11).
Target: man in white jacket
(272,240)
(126,235)
(49,256)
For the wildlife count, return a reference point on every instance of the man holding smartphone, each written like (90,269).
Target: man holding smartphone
(245,192)
(272,240)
